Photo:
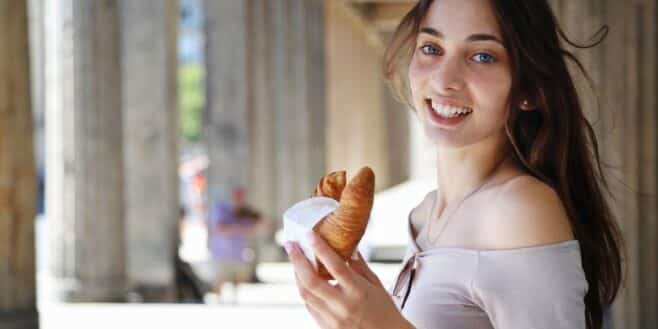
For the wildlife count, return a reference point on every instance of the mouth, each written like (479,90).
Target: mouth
(447,111)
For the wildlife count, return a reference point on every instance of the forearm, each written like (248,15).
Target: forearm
(399,322)
(406,324)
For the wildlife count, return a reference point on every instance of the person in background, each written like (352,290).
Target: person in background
(230,226)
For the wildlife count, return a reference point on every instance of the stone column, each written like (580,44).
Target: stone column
(84,190)
(397,117)
(286,106)
(36,32)
(297,82)
(307,86)
(264,125)
(356,118)
(17,173)
(624,71)
(262,176)
(226,117)
(149,68)
(284,120)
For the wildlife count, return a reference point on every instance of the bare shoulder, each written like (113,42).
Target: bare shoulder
(527,212)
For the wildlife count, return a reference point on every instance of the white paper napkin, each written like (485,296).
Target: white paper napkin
(302,217)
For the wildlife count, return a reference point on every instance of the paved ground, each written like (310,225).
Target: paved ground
(105,316)
(274,303)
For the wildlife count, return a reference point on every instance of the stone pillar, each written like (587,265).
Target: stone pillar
(264,125)
(17,173)
(397,117)
(262,147)
(297,69)
(284,121)
(226,117)
(149,68)
(267,105)
(307,86)
(356,115)
(84,190)
(36,32)
(624,71)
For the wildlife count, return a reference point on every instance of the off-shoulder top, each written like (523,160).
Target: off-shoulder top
(533,287)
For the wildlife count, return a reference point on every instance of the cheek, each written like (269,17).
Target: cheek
(491,90)
(418,77)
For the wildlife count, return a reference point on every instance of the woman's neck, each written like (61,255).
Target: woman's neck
(461,171)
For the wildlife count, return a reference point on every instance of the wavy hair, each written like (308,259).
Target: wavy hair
(555,142)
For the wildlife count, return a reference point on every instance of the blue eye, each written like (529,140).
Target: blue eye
(484,58)
(429,50)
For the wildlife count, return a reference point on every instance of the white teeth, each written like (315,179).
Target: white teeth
(449,111)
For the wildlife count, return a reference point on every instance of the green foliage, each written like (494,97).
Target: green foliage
(191,100)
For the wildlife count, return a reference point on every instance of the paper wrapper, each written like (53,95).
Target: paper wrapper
(302,217)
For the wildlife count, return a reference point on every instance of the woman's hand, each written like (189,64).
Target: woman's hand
(357,301)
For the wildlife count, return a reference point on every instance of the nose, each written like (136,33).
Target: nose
(448,76)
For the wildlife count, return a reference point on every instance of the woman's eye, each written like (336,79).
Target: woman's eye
(484,58)
(429,50)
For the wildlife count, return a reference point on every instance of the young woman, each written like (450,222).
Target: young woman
(518,233)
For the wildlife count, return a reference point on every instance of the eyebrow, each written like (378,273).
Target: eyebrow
(470,38)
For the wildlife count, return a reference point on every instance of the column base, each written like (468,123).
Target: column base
(74,291)
(150,293)
(20,319)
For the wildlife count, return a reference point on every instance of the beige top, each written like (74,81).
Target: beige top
(522,288)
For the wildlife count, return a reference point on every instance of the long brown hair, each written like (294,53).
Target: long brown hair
(555,142)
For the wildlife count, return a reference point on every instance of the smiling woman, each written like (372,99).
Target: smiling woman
(530,241)
(489,83)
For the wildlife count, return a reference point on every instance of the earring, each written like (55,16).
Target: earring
(525,105)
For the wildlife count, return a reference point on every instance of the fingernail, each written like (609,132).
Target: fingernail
(311,237)
(355,256)
(287,246)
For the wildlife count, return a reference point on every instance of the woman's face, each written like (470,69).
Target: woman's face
(460,74)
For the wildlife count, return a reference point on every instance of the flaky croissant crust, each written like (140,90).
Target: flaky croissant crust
(343,228)
(331,185)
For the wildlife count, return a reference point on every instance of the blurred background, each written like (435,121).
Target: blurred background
(148,149)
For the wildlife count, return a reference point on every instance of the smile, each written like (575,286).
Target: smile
(446,115)
(448,111)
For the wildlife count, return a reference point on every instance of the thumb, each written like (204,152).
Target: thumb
(359,265)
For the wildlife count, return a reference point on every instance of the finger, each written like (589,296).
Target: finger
(332,261)
(308,277)
(322,321)
(360,266)
(315,307)
(309,298)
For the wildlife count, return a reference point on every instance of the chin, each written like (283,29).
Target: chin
(446,138)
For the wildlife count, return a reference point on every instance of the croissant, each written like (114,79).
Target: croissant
(331,185)
(343,228)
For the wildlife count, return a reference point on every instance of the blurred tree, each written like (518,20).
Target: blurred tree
(191,100)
